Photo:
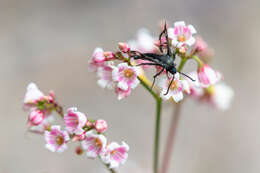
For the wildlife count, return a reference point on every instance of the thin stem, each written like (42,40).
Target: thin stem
(182,63)
(157,123)
(157,135)
(171,138)
(197,59)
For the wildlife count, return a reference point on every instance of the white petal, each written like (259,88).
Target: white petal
(50,147)
(115,74)
(102,83)
(123,85)
(62,148)
(192,29)
(171,33)
(178,96)
(135,83)
(191,41)
(165,97)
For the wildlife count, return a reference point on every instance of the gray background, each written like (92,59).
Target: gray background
(50,42)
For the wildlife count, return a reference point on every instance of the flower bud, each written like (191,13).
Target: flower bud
(101,126)
(124,47)
(79,150)
(109,55)
(36,117)
(207,76)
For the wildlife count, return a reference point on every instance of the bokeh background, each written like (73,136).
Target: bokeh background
(50,42)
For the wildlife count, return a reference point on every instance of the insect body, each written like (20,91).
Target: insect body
(165,60)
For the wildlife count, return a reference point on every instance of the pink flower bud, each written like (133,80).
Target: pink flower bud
(200,45)
(124,47)
(207,76)
(109,55)
(36,117)
(79,150)
(101,126)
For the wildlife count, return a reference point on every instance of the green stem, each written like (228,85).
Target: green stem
(183,62)
(197,59)
(157,124)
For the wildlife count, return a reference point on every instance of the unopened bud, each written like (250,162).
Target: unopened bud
(36,117)
(124,47)
(101,126)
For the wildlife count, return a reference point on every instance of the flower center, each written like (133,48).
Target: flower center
(174,85)
(98,142)
(181,38)
(113,152)
(128,73)
(59,140)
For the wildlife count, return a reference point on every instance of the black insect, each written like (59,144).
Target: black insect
(164,60)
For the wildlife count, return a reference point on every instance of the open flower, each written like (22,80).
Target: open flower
(56,139)
(105,76)
(115,154)
(98,59)
(207,76)
(195,87)
(126,76)
(176,89)
(33,94)
(182,34)
(94,144)
(75,121)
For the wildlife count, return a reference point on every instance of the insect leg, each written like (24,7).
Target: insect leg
(169,86)
(157,74)
(148,63)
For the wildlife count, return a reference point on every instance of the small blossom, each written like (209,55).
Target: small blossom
(94,144)
(176,89)
(207,76)
(122,93)
(124,47)
(126,76)
(75,120)
(115,154)
(222,96)
(182,34)
(101,126)
(109,55)
(98,59)
(105,76)
(56,139)
(33,94)
(36,117)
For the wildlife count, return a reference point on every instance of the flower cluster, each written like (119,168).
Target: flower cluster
(78,128)
(121,77)
(185,45)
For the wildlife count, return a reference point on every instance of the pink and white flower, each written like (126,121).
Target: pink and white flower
(94,144)
(182,34)
(101,126)
(75,121)
(56,139)
(126,76)
(122,93)
(115,154)
(105,77)
(36,117)
(98,59)
(33,94)
(207,76)
(176,89)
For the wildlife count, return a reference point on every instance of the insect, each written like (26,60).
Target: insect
(164,60)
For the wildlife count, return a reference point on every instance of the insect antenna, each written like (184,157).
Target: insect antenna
(187,76)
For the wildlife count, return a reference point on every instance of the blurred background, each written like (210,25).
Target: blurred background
(50,43)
